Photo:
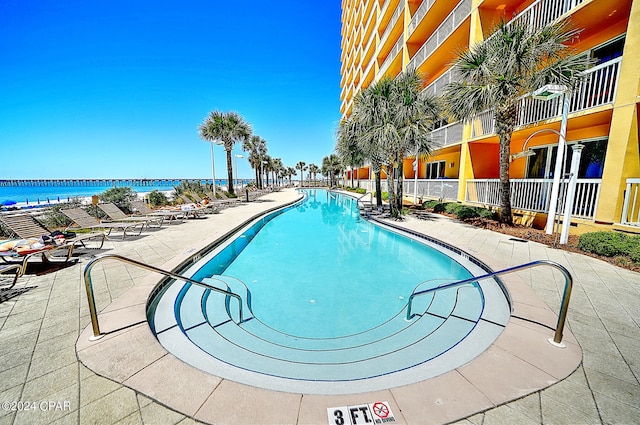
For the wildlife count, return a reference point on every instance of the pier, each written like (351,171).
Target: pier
(97,182)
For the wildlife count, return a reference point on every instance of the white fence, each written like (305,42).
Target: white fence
(631,206)
(534,194)
(446,189)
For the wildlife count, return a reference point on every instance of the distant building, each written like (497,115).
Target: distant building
(384,37)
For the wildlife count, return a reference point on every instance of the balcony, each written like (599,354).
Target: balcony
(446,189)
(397,48)
(420,13)
(446,28)
(436,88)
(597,88)
(392,23)
(541,12)
(447,135)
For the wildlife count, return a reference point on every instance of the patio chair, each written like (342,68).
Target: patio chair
(209,206)
(16,268)
(26,227)
(83,220)
(171,216)
(116,214)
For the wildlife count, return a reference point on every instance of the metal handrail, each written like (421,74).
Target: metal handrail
(557,338)
(370,194)
(91,298)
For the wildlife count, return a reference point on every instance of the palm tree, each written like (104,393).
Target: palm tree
(268,166)
(415,113)
(371,110)
(391,118)
(347,146)
(331,167)
(302,166)
(229,127)
(495,74)
(291,171)
(313,169)
(257,148)
(278,169)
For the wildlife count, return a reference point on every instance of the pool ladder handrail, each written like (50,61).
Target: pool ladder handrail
(91,299)
(557,338)
(359,199)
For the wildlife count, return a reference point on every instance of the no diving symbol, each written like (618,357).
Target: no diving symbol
(381,410)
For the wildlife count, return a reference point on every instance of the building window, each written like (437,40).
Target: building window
(541,165)
(435,170)
(608,51)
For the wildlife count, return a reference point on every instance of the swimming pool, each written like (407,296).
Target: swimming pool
(326,294)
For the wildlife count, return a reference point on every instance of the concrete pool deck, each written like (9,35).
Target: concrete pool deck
(43,316)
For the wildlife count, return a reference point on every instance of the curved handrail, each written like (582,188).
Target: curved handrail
(557,338)
(91,299)
(370,194)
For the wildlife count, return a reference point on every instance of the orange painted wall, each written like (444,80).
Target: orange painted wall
(485,158)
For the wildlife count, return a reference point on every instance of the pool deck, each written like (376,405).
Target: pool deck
(127,377)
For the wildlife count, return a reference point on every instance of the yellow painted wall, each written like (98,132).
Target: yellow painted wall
(623,153)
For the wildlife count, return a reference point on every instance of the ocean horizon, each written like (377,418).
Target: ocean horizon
(43,194)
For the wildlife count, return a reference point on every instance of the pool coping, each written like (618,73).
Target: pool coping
(521,361)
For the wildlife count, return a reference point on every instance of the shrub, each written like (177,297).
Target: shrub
(608,244)
(361,190)
(439,207)
(430,204)
(485,213)
(464,212)
(452,208)
(611,244)
(120,196)
(157,198)
(53,219)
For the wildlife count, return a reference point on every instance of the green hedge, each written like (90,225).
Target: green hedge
(461,211)
(611,244)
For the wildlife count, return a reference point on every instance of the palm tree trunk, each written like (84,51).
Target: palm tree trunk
(229,173)
(391,194)
(399,191)
(504,128)
(378,189)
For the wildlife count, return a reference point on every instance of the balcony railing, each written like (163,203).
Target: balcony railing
(534,195)
(437,86)
(446,189)
(542,12)
(392,55)
(447,135)
(420,13)
(631,206)
(451,22)
(598,87)
(392,22)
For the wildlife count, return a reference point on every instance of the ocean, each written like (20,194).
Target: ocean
(42,195)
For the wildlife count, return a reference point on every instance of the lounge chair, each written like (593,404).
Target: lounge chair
(171,216)
(83,220)
(26,227)
(16,268)
(116,214)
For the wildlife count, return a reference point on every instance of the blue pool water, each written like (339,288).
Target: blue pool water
(324,301)
(332,272)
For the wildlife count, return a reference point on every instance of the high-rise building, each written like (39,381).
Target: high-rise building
(385,37)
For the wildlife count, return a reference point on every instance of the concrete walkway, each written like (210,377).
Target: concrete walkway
(43,316)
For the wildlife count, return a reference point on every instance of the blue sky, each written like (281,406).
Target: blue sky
(100,89)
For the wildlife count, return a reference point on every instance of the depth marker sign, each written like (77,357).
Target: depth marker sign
(372,413)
